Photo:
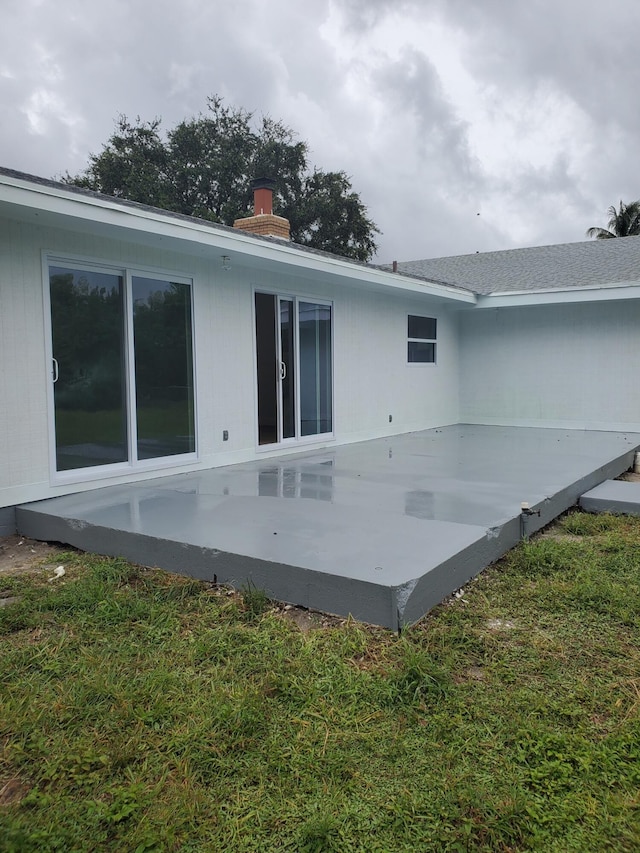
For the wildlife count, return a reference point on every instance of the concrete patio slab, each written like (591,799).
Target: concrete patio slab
(616,496)
(382,530)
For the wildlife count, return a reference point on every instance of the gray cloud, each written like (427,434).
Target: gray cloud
(364,15)
(540,149)
(583,47)
(413,86)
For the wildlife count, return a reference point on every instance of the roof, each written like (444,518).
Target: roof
(564,272)
(559,267)
(53,202)
(136,205)
(214,226)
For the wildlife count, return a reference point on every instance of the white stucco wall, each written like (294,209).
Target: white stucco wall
(372,379)
(573,366)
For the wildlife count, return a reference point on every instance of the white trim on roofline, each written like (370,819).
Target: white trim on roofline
(99,210)
(587,293)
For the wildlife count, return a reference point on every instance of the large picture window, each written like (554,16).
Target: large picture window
(122,350)
(422,333)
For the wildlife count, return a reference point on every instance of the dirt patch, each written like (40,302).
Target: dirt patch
(19,555)
(559,537)
(308,620)
(500,625)
(630,477)
(475,673)
(12,791)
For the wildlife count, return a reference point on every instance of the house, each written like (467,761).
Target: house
(134,342)
(553,337)
(137,343)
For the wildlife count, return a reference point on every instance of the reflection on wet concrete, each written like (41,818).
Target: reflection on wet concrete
(382,529)
(419,504)
(285,482)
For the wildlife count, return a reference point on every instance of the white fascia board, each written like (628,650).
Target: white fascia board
(588,293)
(112,214)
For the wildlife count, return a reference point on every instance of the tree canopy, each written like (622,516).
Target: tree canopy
(624,222)
(204,167)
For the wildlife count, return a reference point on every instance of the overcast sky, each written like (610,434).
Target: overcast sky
(465,125)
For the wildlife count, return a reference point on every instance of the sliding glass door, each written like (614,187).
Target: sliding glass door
(122,367)
(293,368)
(315,368)
(287,367)
(89,371)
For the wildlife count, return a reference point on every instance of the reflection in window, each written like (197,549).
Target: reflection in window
(163,367)
(422,333)
(316,415)
(105,354)
(87,325)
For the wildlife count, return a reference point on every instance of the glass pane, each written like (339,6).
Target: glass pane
(421,351)
(315,369)
(163,367)
(287,358)
(422,327)
(266,358)
(87,322)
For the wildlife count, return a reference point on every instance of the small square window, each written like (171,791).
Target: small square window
(422,327)
(422,351)
(422,333)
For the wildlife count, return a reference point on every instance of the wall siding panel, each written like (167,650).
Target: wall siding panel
(372,379)
(563,365)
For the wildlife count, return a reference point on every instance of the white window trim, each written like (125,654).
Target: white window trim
(133,465)
(433,341)
(298,441)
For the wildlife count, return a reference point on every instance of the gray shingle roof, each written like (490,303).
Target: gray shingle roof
(567,265)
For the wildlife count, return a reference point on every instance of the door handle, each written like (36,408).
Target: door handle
(56,371)
(283,370)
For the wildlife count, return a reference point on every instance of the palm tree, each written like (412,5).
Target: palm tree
(624,222)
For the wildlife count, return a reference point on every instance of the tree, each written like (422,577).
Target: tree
(132,165)
(624,222)
(330,214)
(204,167)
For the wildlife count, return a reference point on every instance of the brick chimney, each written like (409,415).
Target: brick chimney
(264,222)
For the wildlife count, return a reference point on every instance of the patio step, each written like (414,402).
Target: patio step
(620,497)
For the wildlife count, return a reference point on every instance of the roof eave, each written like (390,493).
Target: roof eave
(58,201)
(589,293)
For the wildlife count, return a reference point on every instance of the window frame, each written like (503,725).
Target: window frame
(133,464)
(297,440)
(433,341)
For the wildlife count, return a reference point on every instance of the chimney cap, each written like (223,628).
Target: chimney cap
(263,184)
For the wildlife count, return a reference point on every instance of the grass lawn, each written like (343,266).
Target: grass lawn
(141,711)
